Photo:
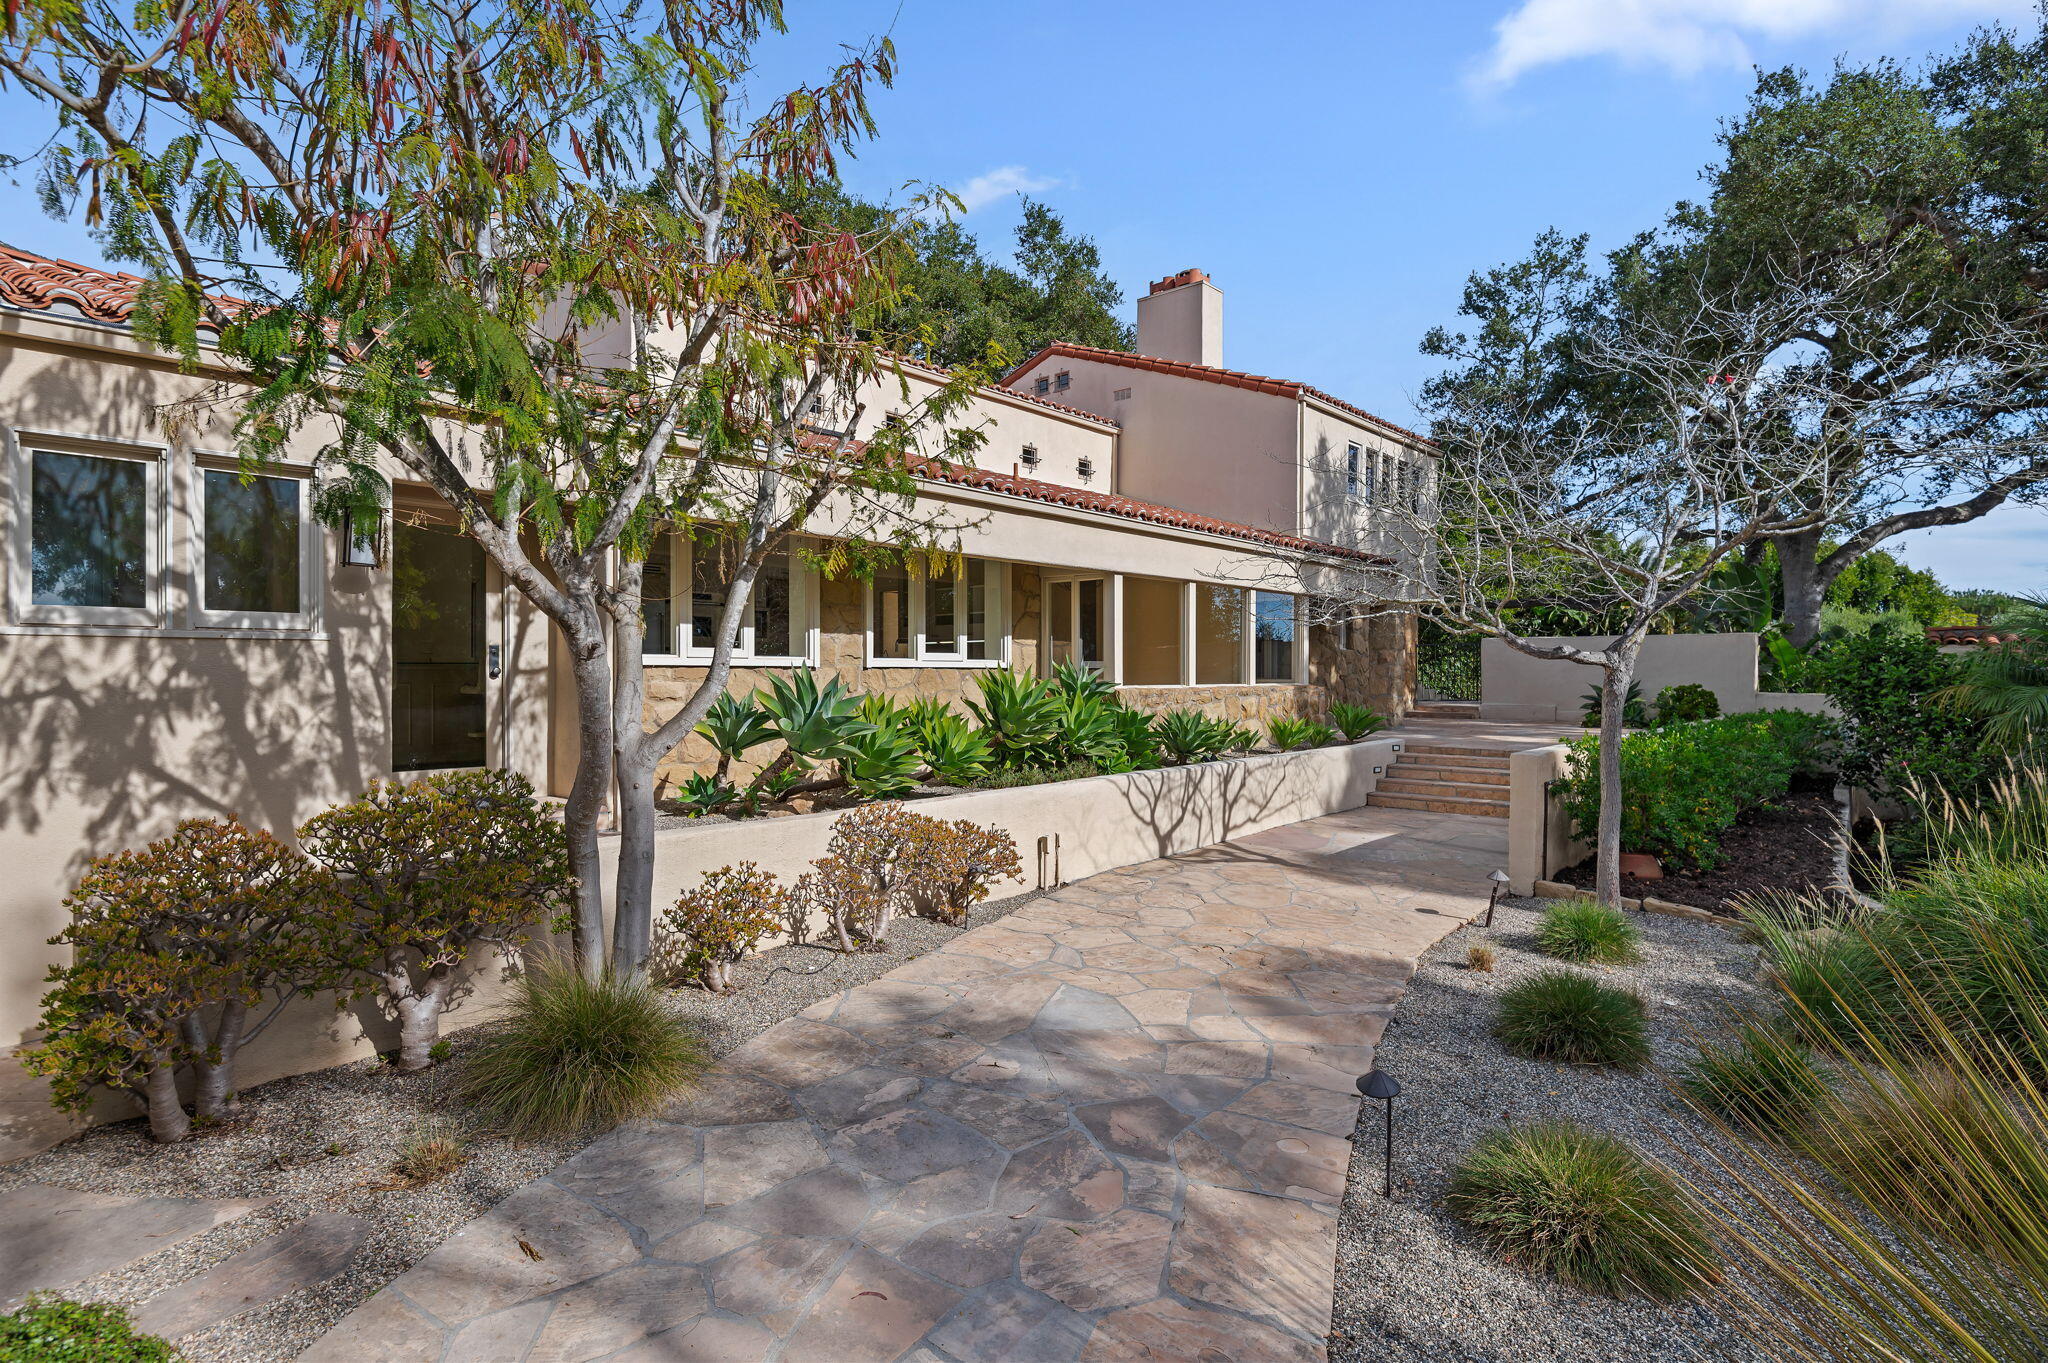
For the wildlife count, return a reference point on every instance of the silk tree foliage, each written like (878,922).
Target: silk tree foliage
(531,254)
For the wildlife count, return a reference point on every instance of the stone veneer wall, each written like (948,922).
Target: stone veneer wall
(1381,676)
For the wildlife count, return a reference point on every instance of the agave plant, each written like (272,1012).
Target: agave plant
(1073,679)
(1134,734)
(734,724)
(1240,738)
(956,751)
(703,794)
(1289,731)
(817,722)
(1087,732)
(925,711)
(884,762)
(1019,716)
(1190,736)
(1355,721)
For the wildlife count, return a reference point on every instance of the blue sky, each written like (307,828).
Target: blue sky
(1337,168)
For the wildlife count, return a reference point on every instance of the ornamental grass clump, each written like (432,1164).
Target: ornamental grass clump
(579,1054)
(1586,932)
(1572,1019)
(1764,1081)
(1583,1207)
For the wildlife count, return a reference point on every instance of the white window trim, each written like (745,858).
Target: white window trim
(999,623)
(311,542)
(1109,667)
(1298,663)
(1354,471)
(22,445)
(803,617)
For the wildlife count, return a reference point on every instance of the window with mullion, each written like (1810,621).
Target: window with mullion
(944,618)
(771,629)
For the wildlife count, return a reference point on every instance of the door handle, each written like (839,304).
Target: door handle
(494,662)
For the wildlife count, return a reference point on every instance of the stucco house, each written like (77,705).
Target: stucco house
(179,641)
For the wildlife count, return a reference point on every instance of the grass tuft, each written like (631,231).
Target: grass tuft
(1581,930)
(1583,1207)
(579,1054)
(1573,1019)
(427,1155)
(1764,1081)
(1479,956)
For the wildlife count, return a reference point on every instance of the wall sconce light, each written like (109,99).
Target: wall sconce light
(1381,1086)
(358,547)
(1500,882)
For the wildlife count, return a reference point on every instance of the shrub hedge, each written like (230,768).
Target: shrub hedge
(1684,784)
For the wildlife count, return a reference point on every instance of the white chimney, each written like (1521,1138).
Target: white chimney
(1182,319)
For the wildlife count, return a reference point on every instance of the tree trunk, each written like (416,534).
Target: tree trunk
(585,807)
(1614,686)
(168,1123)
(213,1095)
(419,1020)
(1805,585)
(633,911)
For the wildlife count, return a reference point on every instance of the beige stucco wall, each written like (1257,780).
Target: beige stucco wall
(1328,510)
(1540,837)
(1515,686)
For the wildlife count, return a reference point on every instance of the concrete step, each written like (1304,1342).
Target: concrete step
(1445,709)
(1448,757)
(1398,782)
(1427,769)
(1485,809)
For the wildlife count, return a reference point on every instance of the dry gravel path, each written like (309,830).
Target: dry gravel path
(1411,1284)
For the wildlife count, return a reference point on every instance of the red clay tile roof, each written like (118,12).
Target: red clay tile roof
(1112,504)
(40,284)
(1032,398)
(1979,635)
(1234,378)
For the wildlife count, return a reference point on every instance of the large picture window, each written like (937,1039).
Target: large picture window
(774,628)
(1153,618)
(1273,625)
(1219,635)
(253,541)
(91,543)
(954,617)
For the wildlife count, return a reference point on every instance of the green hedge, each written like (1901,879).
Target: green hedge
(1684,784)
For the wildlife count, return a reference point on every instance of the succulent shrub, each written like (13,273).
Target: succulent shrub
(1019,716)
(1087,731)
(420,874)
(1241,738)
(1072,679)
(949,866)
(1635,713)
(1764,1080)
(1355,721)
(734,725)
(174,947)
(1135,737)
(923,712)
(1289,731)
(955,750)
(576,1054)
(858,883)
(1686,702)
(1569,1018)
(1584,1207)
(1583,931)
(1189,735)
(701,794)
(720,921)
(48,1329)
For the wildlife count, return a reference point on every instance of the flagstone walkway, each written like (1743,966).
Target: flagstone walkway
(1111,1126)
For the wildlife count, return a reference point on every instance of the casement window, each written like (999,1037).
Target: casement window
(255,547)
(949,618)
(1062,381)
(1352,483)
(1273,630)
(86,549)
(1042,387)
(683,594)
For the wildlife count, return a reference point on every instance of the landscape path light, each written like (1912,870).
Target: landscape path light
(1500,881)
(1380,1085)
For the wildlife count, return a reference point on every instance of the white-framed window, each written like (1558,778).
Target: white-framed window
(255,553)
(957,619)
(1274,630)
(87,547)
(683,596)
(1353,486)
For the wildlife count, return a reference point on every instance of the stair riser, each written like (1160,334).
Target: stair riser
(1439,790)
(1428,771)
(1437,759)
(1453,750)
(1486,809)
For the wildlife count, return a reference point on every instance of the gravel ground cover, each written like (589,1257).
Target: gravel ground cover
(1411,1283)
(326,1142)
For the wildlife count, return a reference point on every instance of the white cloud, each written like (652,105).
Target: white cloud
(1689,36)
(999,184)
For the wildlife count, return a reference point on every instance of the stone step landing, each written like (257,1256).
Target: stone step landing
(1445,709)
(1446,778)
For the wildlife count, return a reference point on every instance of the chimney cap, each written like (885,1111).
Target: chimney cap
(1175,281)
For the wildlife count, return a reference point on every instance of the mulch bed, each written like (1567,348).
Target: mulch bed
(1786,847)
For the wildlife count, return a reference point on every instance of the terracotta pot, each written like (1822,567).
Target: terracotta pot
(1641,865)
